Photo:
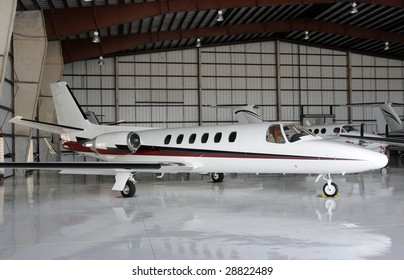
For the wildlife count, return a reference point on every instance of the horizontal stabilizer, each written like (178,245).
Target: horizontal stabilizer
(50,127)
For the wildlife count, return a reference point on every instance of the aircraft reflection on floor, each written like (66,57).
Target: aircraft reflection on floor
(330,204)
(252,217)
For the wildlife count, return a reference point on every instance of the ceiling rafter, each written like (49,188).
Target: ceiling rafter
(70,21)
(75,50)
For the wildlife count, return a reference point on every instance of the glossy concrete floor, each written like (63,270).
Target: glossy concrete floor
(51,216)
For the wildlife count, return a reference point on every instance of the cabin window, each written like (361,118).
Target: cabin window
(180,138)
(336,130)
(274,134)
(192,138)
(316,131)
(167,139)
(232,136)
(205,137)
(323,130)
(218,137)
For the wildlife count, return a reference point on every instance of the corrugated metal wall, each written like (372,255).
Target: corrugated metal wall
(238,74)
(313,77)
(376,80)
(161,89)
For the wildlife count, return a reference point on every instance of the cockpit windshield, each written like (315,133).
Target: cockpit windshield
(292,132)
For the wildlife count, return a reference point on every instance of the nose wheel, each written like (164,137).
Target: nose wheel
(330,189)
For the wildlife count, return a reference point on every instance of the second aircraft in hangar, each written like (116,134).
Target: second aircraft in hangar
(275,147)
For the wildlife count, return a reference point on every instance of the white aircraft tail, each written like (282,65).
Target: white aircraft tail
(247,114)
(68,110)
(72,121)
(390,117)
(242,113)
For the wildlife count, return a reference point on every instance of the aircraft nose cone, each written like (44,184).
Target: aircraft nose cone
(371,160)
(379,160)
(375,160)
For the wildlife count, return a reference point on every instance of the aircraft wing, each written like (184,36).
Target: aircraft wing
(106,168)
(121,170)
(388,141)
(50,127)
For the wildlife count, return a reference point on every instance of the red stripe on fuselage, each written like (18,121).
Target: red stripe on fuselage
(79,148)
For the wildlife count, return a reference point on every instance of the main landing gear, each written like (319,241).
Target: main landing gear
(330,189)
(130,188)
(217,177)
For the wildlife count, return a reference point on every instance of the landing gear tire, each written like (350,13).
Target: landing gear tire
(129,190)
(217,177)
(330,190)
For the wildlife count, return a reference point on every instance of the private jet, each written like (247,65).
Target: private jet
(275,147)
(335,131)
(388,122)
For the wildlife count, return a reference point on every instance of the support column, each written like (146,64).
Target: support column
(278,82)
(349,85)
(29,42)
(199,58)
(117,94)
(7,14)
(52,72)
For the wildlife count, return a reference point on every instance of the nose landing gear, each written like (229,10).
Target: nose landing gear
(330,189)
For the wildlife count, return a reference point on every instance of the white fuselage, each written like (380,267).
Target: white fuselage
(242,148)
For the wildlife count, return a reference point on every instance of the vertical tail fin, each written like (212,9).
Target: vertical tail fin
(247,114)
(391,117)
(68,110)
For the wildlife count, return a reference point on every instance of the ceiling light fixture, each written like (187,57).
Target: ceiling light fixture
(220,16)
(354,10)
(96,37)
(198,42)
(306,35)
(101,61)
(386,46)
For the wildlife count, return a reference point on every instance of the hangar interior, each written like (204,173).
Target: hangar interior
(164,64)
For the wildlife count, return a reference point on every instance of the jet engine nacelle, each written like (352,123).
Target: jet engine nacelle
(115,141)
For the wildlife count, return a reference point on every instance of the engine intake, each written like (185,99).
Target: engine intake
(134,141)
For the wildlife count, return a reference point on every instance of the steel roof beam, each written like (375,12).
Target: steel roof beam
(75,50)
(70,21)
